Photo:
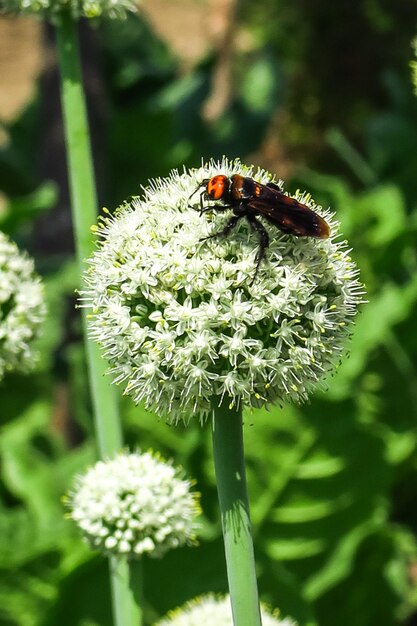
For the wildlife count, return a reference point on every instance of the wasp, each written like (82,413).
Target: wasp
(252,200)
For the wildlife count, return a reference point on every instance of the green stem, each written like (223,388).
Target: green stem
(234,506)
(84,211)
(126,587)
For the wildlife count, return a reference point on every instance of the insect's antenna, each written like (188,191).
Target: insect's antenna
(202,184)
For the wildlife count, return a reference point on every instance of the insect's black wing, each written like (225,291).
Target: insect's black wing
(288,214)
(274,186)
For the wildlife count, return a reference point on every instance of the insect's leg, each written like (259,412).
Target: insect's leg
(210,207)
(202,207)
(263,242)
(226,230)
(199,186)
(190,206)
(215,207)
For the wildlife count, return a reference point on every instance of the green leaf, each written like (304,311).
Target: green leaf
(22,209)
(319,494)
(392,305)
(382,211)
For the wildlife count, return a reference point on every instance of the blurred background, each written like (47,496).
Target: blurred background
(320,93)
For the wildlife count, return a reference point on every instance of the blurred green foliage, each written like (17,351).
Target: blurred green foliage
(333,485)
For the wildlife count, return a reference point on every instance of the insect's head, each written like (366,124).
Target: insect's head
(215,187)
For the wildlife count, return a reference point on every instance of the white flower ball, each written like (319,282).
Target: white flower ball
(22,308)
(77,8)
(182,320)
(134,504)
(212,610)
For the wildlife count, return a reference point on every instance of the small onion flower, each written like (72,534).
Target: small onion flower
(180,319)
(77,8)
(134,504)
(211,609)
(22,308)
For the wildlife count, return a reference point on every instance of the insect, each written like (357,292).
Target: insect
(250,199)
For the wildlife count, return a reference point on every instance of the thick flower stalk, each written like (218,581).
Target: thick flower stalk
(76,8)
(215,610)
(181,320)
(134,504)
(22,308)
